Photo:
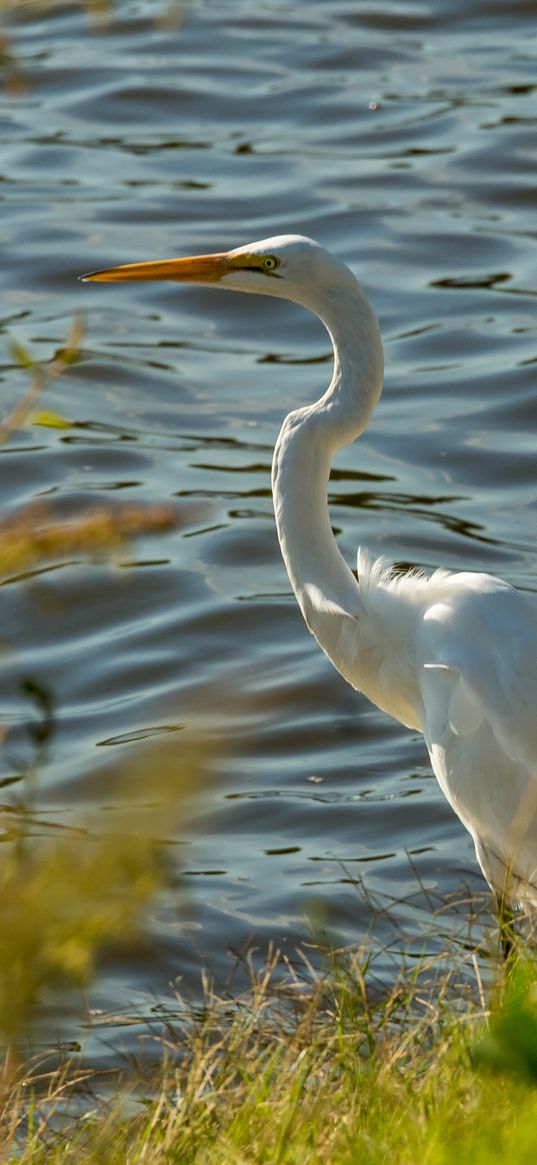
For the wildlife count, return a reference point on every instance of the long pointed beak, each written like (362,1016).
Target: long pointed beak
(195,269)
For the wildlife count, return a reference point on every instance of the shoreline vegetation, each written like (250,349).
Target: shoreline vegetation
(307,1066)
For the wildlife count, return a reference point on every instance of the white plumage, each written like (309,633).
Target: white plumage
(453,655)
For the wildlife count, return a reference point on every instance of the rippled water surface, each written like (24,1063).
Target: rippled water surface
(402,136)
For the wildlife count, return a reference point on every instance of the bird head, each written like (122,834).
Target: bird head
(287,266)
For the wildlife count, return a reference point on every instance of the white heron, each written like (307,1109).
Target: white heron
(452,655)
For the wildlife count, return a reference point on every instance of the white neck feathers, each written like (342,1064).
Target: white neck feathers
(303,454)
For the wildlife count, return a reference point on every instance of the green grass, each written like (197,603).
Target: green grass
(310,1071)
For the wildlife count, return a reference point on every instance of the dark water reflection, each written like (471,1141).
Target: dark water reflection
(401,136)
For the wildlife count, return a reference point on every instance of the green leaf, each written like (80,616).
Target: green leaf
(20,354)
(50,420)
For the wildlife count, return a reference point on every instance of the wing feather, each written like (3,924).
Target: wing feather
(479,689)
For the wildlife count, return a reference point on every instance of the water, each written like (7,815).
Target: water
(402,135)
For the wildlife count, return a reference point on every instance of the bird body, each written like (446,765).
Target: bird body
(455,656)
(452,655)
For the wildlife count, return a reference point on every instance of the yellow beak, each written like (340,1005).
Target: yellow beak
(198,269)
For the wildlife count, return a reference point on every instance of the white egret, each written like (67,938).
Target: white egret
(452,655)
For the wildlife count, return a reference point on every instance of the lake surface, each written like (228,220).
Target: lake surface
(402,136)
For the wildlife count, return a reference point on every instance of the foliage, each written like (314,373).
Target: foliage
(37,535)
(302,1070)
(67,893)
(100,11)
(59,903)
(510,1044)
(100,15)
(40,376)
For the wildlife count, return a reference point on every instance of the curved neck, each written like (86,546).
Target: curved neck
(308,440)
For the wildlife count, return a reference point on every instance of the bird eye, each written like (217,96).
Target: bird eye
(270,262)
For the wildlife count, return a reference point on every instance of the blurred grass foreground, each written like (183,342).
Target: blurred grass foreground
(63,898)
(302,1066)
